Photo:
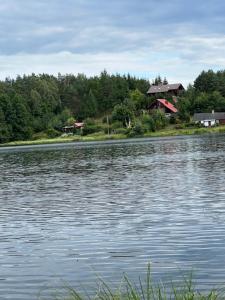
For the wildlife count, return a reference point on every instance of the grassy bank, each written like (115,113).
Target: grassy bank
(69,139)
(103,137)
(145,289)
(187,131)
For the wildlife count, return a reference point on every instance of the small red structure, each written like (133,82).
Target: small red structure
(78,125)
(70,129)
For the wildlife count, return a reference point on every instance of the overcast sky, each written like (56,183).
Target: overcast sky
(173,38)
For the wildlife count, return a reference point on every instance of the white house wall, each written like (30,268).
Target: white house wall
(208,123)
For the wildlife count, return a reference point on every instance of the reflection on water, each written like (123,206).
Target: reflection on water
(72,212)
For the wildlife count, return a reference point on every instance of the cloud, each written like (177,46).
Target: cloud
(88,26)
(140,62)
(147,37)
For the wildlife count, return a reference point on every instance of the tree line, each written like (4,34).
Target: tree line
(38,103)
(206,94)
(44,103)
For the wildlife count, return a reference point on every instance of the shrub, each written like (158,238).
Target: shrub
(191,124)
(159,118)
(123,113)
(121,131)
(40,136)
(90,126)
(137,130)
(173,119)
(89,121)
(179,126)
(52,133)
(117,124)
(89,129)
(148,123)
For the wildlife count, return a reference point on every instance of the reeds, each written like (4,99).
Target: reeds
(146,290)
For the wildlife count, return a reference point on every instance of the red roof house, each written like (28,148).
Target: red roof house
(164,105)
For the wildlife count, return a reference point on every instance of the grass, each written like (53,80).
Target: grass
(145,290)
(99,136)
(69,139)
(186,131)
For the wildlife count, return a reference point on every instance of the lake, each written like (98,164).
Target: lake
(73,212)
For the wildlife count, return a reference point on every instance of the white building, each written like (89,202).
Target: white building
(210,119)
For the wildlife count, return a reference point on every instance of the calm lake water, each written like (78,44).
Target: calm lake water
(69,213)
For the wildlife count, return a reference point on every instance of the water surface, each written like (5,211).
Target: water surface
(70,212)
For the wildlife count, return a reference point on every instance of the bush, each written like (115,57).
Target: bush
(122,113)
(89,129)
(137,130)
(52,133)
(91,126)
(159,118)
(117,124)
(121,130)
(173,120)
(5,133)
(39,136)
(191,125)
(180,126)
(148,123)
(89,122)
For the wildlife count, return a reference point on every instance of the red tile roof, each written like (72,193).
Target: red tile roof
(169,105)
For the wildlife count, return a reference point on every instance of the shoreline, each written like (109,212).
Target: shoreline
(116,137)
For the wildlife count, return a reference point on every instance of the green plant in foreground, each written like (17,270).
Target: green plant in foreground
(146,290)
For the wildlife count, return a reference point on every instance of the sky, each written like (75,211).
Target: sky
(176,39)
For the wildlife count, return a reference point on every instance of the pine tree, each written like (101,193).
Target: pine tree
(165,82)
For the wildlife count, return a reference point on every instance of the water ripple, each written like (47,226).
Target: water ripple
(70,213)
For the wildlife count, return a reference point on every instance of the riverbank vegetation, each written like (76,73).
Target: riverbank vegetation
(36,107)
(166,132)
(146,289)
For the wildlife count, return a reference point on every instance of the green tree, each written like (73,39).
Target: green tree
(157,80)
(137,98)
(206,82)
(159,118)
(123,113)
(165,81)
(88,108)
(35,103)
(21,119)
(5,132)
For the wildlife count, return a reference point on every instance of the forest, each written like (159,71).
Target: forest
(33,106)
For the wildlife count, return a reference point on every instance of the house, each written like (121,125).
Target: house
(210,119)
(172,89)
(167,107)
(70,129)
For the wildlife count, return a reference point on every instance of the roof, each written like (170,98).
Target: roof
(78,124)
(68,127)
(209,116)
(169,105)
(163,88)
